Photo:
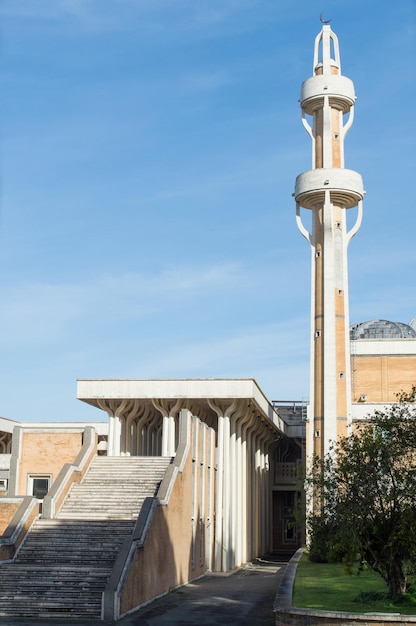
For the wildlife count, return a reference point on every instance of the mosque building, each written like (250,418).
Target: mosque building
(189,476)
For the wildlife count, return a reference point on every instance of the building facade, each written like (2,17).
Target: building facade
(383,364)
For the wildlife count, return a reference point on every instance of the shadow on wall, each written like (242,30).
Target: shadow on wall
(178,531)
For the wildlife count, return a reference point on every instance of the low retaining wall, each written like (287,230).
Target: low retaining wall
(16,531)
(288,615)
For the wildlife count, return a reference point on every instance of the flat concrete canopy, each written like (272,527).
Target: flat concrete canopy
(197,395)
(6,425)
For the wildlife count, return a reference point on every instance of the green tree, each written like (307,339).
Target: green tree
(364,495)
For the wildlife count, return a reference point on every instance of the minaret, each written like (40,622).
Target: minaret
(328,190)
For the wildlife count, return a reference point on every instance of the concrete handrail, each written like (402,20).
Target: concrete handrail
(70,473)
(111,594)
(16,531)
(178,464)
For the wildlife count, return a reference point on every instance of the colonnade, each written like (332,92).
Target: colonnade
(243,517)
(243,485)
(137,429)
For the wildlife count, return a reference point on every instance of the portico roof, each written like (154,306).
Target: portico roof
(7,425)
(197,394)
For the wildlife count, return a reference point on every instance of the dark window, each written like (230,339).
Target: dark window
(40,487)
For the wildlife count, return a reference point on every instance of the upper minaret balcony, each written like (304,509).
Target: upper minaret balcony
(327,79)
(327,101)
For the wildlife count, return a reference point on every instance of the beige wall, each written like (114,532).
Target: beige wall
(166,557)
(380,377)
(7,510)
(44,452)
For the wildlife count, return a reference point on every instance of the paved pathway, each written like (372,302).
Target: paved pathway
(244,598)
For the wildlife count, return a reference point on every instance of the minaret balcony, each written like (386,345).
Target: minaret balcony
(339,89)
(345,187)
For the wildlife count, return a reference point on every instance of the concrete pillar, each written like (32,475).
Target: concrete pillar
(169,414)
(219,495)
(210,499)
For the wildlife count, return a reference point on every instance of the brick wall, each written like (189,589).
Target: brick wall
(45,452)
(7,509)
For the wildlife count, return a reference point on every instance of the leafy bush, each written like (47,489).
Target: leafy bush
(363,497)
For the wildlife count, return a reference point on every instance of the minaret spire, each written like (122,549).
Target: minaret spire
(327,101)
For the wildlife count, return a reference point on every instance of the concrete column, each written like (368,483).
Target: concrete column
(202,493)
(240,489)
(233,495)
(171,448)
(226,496)
(246,506)
(169,414)
(219,496)
(195,488)
(14,475)
(116,435)
(165,435)
(210,499)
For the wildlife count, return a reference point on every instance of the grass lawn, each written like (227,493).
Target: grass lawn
(326,586)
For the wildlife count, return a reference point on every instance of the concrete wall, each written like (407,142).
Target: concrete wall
(179,543)
(303,617)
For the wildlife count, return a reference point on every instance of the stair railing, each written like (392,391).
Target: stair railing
(16,531)
(70,473)
(112,593)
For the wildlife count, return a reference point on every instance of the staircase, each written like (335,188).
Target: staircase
(64,564)
(114,488)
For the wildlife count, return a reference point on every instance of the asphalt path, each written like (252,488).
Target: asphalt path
(243,598)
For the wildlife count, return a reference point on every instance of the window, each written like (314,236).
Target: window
(288,505)
(290,531)
(39,486)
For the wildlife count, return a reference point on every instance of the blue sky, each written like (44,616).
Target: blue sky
(149,150)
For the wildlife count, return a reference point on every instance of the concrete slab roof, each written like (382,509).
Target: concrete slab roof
(6,425)
(196,391)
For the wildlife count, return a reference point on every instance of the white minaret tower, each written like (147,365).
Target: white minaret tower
(328,190)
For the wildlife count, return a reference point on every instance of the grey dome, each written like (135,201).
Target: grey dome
(382,329)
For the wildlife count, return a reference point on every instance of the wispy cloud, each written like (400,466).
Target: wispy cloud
(252,346)
(36,313)
(206,81)
(47,10)
(158,17)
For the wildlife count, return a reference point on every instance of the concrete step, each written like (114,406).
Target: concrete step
(64,564)
(46,590)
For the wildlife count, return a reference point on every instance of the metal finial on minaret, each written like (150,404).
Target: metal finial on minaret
(328,190)
(321,17)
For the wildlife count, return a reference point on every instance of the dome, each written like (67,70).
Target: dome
(382,329)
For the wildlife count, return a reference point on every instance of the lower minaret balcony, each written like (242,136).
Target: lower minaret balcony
(339,89)
(345,188)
